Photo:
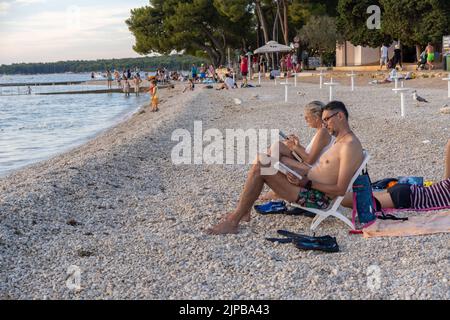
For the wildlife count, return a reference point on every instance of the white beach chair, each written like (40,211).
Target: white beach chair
(334,205)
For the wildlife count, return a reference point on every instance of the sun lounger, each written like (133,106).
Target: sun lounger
(334,205)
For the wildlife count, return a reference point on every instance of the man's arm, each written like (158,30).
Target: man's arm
(348,163)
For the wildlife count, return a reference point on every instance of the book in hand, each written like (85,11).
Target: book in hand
(285,169)
(285,137)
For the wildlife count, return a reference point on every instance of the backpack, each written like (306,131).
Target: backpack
(363,200)
(365,206)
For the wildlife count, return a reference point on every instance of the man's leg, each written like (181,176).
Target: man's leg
(447,160)
(283,152)
(252,189)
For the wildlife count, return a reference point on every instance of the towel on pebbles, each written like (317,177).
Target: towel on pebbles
(427,223)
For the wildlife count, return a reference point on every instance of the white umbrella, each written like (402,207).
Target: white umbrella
(273,46)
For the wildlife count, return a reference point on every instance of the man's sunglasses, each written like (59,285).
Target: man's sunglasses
(326,119)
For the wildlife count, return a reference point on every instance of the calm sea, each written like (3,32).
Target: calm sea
(37,127)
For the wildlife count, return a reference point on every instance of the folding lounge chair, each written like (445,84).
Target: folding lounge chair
(334,205)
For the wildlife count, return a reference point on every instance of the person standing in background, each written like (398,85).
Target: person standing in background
(244,65)
(110,79)
(136,82)
(154,95)
(397,57)
(384,56)
(430,56)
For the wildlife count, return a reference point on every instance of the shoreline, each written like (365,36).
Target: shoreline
(125,115)
(134,223)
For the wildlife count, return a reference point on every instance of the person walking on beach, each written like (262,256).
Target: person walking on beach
(323,182)
(384,56)
(430,56)
(397,57)
(194,72)
(154,95)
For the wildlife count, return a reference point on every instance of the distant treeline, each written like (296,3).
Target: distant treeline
(172,62)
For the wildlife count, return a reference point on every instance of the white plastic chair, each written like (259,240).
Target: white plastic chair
(334,205)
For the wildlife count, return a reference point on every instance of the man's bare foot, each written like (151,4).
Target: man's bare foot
(227,225)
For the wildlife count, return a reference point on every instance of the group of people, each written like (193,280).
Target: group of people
(327,166)
(202,72)
(426,58)
(289,63)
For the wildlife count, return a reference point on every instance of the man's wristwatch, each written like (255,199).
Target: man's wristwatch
(308,185)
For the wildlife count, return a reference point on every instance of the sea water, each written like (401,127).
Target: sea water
(37,127)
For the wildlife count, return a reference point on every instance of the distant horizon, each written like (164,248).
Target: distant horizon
(48,31)
(87,60)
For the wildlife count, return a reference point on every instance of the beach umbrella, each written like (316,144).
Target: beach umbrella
(273,46)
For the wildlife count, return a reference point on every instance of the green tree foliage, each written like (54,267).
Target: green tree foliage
(172,62)
(320,34)
(352,23)
(189,25)
(416,22)
(413,22)
(301,11)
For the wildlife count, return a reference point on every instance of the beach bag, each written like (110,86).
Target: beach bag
(365,206)
(363,200)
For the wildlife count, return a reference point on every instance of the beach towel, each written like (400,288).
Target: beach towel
(427,223)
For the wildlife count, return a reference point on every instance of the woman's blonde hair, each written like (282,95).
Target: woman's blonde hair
(315,108)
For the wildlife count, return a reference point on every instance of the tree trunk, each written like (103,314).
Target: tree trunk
(280,18)
(418,51)
(285,22)
(262,20)
(275,24)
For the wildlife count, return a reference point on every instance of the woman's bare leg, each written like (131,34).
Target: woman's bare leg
(384,198)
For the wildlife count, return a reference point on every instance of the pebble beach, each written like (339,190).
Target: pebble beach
(134,224)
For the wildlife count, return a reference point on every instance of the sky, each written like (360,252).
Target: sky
(56,30)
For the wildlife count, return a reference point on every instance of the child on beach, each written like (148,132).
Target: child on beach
(154,95)
(189,86)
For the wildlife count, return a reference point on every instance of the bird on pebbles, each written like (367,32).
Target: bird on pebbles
(418,98)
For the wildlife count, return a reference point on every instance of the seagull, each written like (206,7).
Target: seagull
(237,101)
(418,98)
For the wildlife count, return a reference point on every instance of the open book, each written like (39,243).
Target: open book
(285,169)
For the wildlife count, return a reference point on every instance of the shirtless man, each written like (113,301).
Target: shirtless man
(430,55)
(324,181)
